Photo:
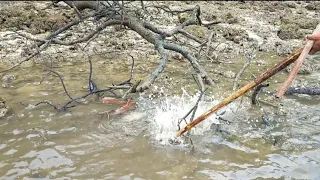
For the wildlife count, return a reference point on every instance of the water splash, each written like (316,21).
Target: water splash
(168,110)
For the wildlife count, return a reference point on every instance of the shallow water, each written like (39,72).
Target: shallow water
(40,142)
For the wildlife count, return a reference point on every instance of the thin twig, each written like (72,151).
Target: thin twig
(173,12)
(190,36)
(92,85)
(209,43)
(48,103)
(90,40)
(202,90)
(31,38)
(197,78)
(89,36)
(211,23)
(235,82)
(63,85)
(76,10)
(131,69)
(66,27)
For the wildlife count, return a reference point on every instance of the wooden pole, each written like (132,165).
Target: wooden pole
(294,71)
(287,61)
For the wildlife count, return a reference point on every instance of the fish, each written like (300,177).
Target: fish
(129,105)
(111,100)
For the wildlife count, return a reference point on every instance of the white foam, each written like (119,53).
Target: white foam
(168,111)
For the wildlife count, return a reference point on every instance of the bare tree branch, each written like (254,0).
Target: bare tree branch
(192,60)
(155,74)
(146,30)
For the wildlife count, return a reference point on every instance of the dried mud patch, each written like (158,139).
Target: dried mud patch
(26,16)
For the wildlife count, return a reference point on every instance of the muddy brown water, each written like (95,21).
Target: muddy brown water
(40,142)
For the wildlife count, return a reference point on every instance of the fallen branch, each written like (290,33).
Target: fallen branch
(297,65)
(298,90)
(142,30)
(243,90)
(309,91)
(162,64)
(147,31)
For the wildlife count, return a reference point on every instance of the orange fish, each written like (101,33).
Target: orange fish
(110,100)
(129,105)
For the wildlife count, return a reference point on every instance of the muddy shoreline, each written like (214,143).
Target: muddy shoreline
(275,27)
